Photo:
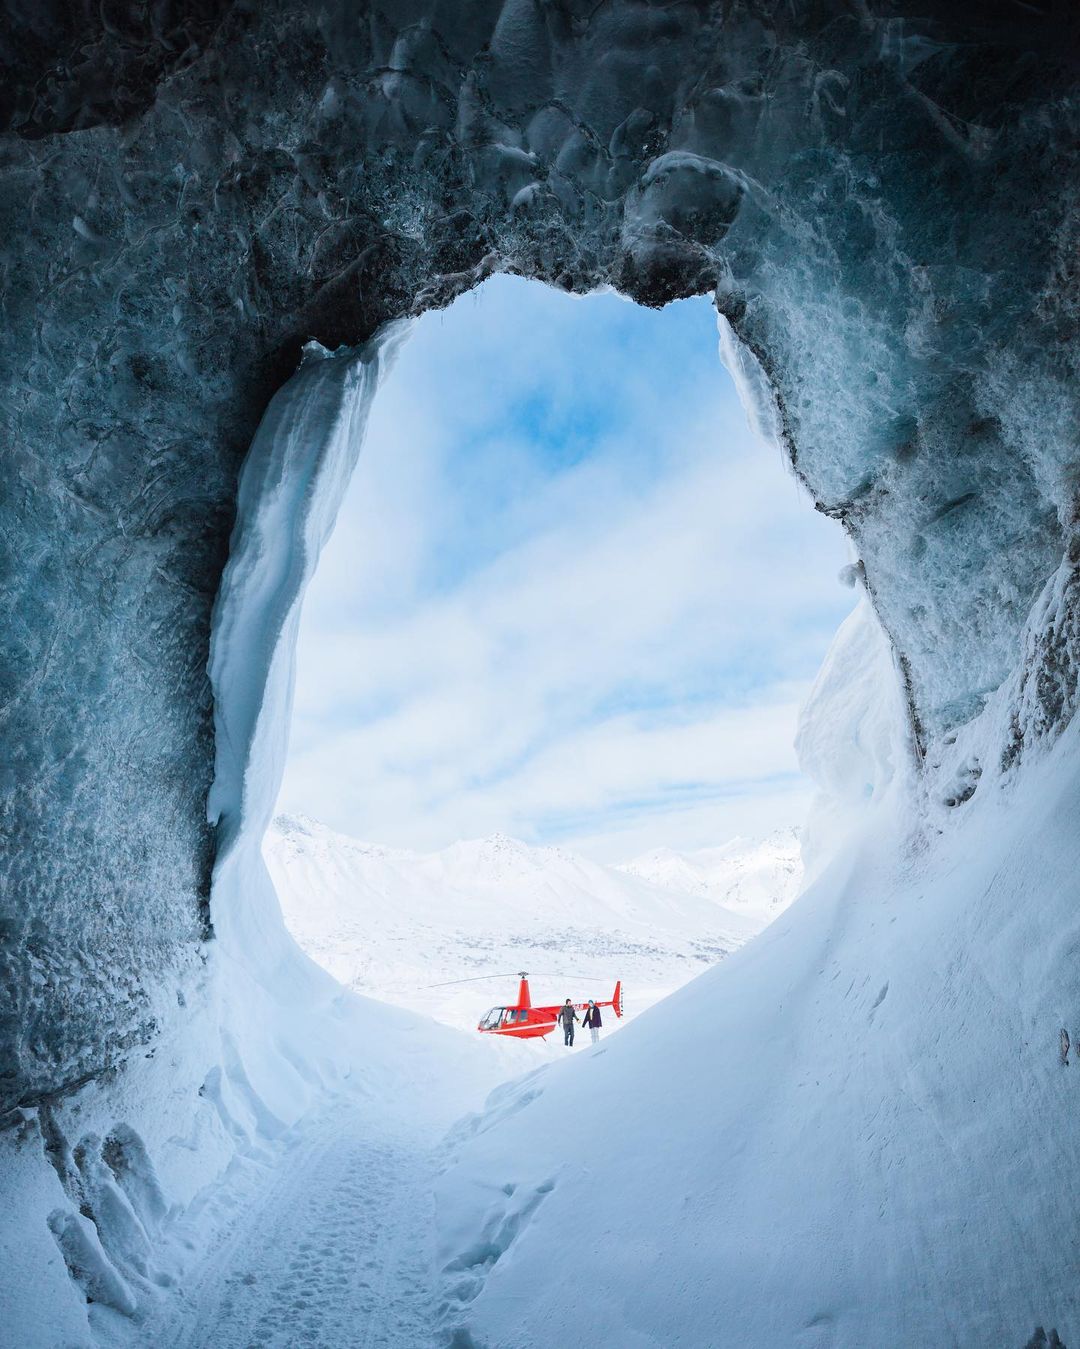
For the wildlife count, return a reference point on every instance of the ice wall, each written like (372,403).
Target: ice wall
(292,484)
(880,195)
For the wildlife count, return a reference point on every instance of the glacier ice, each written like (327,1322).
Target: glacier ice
(882,198)
(879,201)
(290,489)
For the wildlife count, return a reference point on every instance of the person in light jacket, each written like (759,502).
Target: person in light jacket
(592,1020)
(567,1017)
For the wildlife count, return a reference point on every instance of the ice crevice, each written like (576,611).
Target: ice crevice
(216,228)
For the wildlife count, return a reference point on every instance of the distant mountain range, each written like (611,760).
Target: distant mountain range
(392,923)
(752,876)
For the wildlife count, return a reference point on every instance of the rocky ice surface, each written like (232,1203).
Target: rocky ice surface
(882,198)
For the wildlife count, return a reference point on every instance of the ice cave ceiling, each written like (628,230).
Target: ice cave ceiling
(881,195)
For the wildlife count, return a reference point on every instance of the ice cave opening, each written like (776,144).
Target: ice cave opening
(549,666)
(219,221)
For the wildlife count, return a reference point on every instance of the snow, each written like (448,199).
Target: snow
(391,923)
(854,737)
(290,1195)
(337,1252)
(290,489)
(839,1136)
(755,877)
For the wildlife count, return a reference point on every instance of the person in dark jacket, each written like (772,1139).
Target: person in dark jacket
(566,1018)
(592,1021)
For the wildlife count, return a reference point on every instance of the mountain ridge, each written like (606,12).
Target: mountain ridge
(394,924)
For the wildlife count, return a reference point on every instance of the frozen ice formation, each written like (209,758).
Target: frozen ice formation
(881,196)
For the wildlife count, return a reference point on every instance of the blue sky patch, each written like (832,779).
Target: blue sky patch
(569,597)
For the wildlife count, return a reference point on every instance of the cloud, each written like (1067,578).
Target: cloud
(569,596)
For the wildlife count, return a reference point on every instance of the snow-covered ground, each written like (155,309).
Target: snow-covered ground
(327,1115)
(404,926)
(323,1233)
(318,1228)
(840,1136)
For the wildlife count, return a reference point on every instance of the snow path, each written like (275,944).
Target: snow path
(337,1251)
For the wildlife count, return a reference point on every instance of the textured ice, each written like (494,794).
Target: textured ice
(290,489)
(881,197)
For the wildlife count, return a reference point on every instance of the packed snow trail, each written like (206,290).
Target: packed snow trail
(337,1251)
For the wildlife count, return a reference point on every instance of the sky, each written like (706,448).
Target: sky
(570,597)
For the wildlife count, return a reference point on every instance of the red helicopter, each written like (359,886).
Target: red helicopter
(524,1021)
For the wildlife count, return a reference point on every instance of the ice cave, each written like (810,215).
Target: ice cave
(219,221)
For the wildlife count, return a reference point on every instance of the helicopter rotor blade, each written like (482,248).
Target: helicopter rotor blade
(591,978)
(475,979)
(516,974)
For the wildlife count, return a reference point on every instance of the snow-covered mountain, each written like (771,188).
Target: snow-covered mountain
(758,877)
(391,923)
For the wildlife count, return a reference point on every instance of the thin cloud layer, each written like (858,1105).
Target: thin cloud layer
(569,596)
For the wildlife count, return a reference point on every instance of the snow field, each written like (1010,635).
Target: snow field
(838,1137)
(404,927)
(338,1251)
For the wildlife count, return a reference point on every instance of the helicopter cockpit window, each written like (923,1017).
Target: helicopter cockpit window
(492,1019)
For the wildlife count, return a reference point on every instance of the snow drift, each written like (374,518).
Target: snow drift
(856,1130)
